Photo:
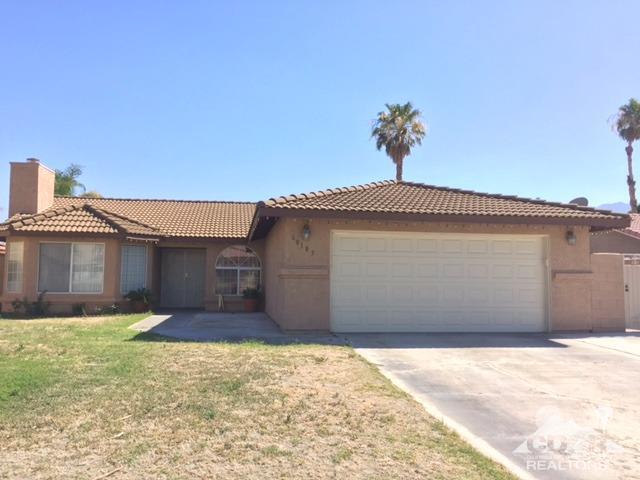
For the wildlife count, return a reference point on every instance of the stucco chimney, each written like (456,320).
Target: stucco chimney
(31,187)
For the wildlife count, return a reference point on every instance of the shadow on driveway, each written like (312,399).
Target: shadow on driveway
(198,326)
(451,340)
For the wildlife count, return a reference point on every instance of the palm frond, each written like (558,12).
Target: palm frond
(627,121)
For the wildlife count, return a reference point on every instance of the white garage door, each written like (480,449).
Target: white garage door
(425,282)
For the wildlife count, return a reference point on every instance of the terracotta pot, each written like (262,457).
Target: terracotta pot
(251,305)
(139,306)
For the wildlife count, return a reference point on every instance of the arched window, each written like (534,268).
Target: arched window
(237,268)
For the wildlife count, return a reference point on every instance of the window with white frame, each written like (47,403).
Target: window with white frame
(15,255)
(71,267)
(237,268)
(133,268)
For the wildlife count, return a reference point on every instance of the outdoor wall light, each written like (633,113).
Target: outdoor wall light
(571,237)
(306,231)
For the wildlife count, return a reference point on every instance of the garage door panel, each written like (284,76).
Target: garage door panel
(502,271)
(527,247)
(478,296)
(451,246)
(427,270)
(478,271)
(437,282)
(376,294)
(349,269)
(376,245)
(451,294)
(401,270)
(502,247)
(347,244)
(453,270)
(529,296)
(402,245)
(528,272)
(478,246)
(424,245)
(427,296)
(401,294)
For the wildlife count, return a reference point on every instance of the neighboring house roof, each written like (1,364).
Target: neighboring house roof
(177,218)
(634,228)
(417,198)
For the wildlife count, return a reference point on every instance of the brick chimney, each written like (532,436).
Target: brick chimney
(31,187)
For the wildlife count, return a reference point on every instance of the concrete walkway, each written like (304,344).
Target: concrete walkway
(229,327)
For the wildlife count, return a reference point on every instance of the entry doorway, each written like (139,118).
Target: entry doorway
(182,274)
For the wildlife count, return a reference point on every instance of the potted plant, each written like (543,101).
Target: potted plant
(140,300)
(251,298)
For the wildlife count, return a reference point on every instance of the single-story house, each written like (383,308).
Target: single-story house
(619,240)
(384,257)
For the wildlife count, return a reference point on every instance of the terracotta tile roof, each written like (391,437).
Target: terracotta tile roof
(407,198)
(175,218)
(633,229)
(77,219)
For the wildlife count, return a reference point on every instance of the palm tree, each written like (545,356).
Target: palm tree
(67,182)
(398,129)
(628,127)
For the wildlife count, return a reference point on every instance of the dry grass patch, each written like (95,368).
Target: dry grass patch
(85,399)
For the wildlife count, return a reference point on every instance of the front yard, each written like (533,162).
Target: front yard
(89,398)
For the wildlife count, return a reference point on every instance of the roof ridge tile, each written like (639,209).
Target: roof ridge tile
(324,193)
(116,199)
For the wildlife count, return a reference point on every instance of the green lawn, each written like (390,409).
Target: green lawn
(81,398)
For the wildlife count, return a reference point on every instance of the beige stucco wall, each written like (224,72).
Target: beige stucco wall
(62,302)
(297,271)
(607,294)
(2,257)
(614,242)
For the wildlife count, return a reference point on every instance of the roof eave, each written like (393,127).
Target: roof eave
(594,223)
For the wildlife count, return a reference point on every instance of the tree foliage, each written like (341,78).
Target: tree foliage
(628,121)
(67,181)
(398,129)
(627,125)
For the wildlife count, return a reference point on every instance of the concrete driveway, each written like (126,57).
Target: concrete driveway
(551,407)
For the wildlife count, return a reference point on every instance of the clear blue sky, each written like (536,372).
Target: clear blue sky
(247,100)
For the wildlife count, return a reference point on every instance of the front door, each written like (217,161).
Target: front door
(182,283)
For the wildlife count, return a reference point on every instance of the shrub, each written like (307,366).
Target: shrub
(251,293)
(139,295)
(79,309)
(108,310)
(38,308)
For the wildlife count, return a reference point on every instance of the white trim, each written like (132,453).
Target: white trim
(238,269)
(70,292)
